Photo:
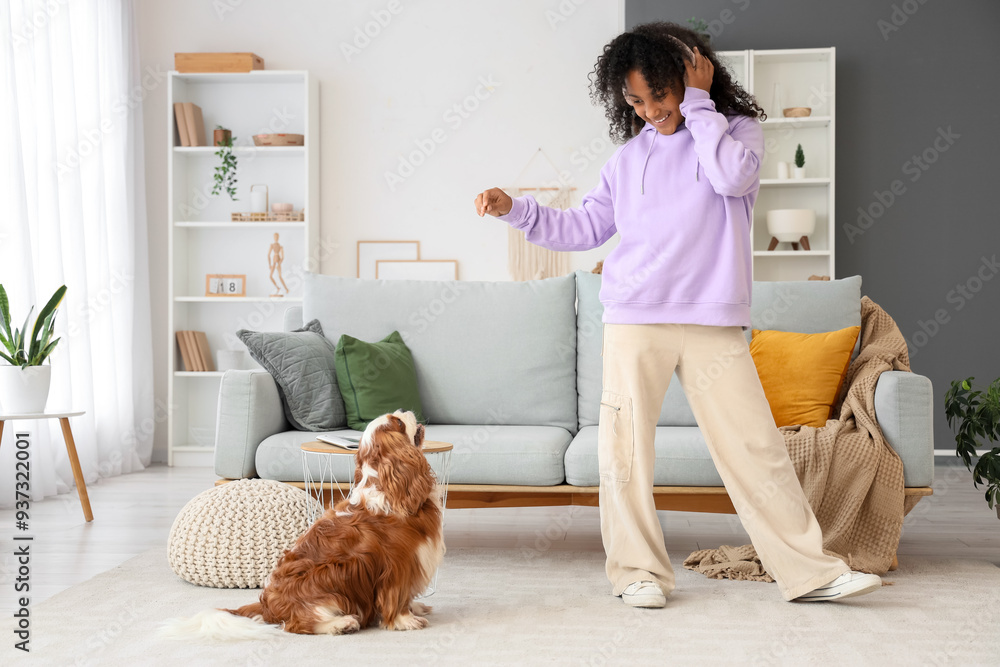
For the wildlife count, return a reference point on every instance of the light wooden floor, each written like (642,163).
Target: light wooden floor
(133,513)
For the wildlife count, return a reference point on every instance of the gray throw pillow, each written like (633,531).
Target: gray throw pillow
(303,365)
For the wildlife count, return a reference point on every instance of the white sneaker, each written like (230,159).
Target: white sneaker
(847,585)
(644,594)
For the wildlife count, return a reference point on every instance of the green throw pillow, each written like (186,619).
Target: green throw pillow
(376,378)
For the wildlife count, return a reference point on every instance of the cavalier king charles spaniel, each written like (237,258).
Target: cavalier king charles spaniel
(362,562)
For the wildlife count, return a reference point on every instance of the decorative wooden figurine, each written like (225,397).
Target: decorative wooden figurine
(275,256)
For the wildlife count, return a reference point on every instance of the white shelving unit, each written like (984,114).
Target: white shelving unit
(807,77)
(203,241)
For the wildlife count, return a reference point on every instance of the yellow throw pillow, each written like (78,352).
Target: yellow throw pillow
(802,373)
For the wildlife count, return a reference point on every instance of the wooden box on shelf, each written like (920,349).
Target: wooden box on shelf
(217,62)
(278,140)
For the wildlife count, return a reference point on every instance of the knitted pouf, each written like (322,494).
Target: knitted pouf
(232,535)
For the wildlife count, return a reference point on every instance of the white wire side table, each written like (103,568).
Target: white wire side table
(328,469)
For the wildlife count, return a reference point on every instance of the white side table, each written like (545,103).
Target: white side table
(74,460)
(323,455)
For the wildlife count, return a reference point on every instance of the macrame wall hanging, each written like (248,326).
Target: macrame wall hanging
(525,260)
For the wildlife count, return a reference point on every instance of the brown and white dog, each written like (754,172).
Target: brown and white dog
(362,562)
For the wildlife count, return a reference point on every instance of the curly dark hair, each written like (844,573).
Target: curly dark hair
(651,49)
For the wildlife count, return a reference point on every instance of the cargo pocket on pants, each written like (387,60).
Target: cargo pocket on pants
(615,441)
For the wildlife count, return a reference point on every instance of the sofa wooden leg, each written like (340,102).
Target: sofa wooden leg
(895,563)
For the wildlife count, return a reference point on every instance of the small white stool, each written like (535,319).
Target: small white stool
(74,460)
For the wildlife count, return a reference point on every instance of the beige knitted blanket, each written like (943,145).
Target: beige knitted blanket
(851,476)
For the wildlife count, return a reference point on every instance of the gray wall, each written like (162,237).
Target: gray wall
(930,259)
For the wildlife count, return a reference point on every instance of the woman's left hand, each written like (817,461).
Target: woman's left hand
(700,73)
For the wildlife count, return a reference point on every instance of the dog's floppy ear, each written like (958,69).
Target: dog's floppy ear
(418,437)
(404,476)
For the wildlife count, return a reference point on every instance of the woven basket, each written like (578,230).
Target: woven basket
(232,535)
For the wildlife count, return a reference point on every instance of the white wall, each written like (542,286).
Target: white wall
(388,95)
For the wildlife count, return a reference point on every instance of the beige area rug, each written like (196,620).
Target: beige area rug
(503,607)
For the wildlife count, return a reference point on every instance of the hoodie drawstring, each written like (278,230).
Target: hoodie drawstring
(642,179)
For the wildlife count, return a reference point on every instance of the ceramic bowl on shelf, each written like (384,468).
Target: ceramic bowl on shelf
(788,225)
(796,112)
(281,207)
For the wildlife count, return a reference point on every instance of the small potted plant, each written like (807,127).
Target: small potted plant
(24,380)
(977,415)
(700,27)
(225,173)
(800,163)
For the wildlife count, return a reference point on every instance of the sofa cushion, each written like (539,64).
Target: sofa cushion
(492,454)
(801,374)
(302,365)
(805,306)
(376,378)
(482,454)
(484,352)
(682,458)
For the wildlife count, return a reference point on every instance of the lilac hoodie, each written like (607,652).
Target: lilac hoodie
(682,205)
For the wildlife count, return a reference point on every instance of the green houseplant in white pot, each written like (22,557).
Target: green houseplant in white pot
(24,379)
(977,415)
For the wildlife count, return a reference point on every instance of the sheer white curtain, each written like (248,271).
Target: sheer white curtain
(72,211)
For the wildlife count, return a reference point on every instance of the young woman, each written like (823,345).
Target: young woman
(676,294)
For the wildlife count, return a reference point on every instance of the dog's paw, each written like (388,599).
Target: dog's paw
(337,625)
(408,622)
(419,608)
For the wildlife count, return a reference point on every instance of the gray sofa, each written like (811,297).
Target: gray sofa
(510,373)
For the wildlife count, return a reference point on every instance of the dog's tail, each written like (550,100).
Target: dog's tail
(221,624)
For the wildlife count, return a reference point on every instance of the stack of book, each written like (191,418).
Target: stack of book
(190,124)
(195,353)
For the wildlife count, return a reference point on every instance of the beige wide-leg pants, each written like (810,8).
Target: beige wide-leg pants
(721,383)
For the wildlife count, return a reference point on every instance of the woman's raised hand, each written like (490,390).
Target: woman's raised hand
(699,73)
(493,201)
